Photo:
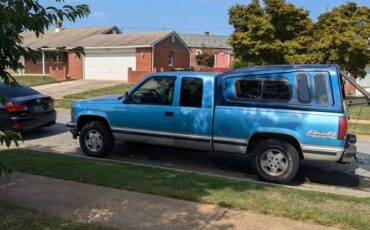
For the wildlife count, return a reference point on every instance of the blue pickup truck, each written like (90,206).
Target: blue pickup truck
(279,115)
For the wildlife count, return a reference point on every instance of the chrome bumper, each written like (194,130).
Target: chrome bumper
(72,127)
(350,149)
(330,153)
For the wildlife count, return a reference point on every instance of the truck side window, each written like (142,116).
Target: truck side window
(191,92)
(275,90)
(157,90)
(248,89)
(303,88)
(269,90)
(321,89)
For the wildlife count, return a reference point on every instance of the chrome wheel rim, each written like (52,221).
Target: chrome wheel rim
(93,141)
(274,162)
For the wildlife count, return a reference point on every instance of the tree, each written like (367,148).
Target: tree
(342,37)
(280,33)
(273,34)
(205,59)
(17,16)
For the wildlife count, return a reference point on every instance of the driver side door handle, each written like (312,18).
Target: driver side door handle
(168,114)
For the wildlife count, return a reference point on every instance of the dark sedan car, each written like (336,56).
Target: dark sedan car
(24,109)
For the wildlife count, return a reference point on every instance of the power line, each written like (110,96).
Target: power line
(174,28)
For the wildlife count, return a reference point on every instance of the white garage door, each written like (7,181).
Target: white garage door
(108,66)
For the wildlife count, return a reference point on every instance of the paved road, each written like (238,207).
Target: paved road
(351,178)
(58,90)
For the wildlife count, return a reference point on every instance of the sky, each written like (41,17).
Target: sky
(182,16)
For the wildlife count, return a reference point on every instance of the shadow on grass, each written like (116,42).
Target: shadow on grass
(322,208)
(326,173)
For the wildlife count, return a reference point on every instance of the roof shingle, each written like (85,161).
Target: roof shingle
(122,40)
(65,38)
(206,41)
(89,37)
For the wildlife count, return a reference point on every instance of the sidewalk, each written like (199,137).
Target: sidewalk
(129,210)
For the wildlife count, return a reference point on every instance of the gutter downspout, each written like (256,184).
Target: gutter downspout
(43,63)
(190,53)
(152,58)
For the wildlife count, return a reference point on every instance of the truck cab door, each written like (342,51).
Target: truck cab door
(147,116)
(194,113)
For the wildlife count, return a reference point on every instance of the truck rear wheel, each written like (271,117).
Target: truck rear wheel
(276,161)
(96,140)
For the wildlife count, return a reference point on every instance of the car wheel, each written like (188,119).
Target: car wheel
(96,139)
(276,161)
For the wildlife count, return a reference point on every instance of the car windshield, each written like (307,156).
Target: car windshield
(15,91)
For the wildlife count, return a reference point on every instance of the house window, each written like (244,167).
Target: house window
(198,52)
(39,59)
(170,59)
(59,57)
(173,38)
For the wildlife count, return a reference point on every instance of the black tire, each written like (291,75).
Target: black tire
(264,165)
(104,137)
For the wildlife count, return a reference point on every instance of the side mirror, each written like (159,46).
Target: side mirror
(127,98)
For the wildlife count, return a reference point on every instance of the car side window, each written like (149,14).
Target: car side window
(303,88)
(156,90)
(321,89)
(191,92)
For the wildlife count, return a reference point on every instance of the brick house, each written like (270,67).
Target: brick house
(215,44)
(109,54)
(364,82)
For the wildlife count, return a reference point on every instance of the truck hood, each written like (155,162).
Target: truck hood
(104,99)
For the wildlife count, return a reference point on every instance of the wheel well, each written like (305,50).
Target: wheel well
(83,120)
(259,137)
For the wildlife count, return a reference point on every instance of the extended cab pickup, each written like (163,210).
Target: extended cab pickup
(278,115)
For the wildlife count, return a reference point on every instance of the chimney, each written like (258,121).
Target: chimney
(58,26)
(206,33)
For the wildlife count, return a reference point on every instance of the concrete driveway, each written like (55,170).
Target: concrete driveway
(351,179)
(58,90)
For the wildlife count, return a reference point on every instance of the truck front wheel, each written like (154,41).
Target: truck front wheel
(276,161)
(96,140)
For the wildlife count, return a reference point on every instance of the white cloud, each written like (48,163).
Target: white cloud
(97,15)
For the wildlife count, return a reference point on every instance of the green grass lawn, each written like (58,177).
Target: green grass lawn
(112,90)
(33,80)
(321,208)
(16,218)
(355,111)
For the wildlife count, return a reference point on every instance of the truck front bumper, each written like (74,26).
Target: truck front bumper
(350,149)
(72,127)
